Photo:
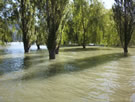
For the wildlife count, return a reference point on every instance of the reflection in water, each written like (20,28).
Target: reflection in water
(97,74)
(12,58)
(11,64)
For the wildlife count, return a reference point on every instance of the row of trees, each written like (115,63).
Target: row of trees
(56,22)
(90,22)
(124,16)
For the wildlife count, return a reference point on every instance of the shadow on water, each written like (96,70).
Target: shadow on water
(76,49)
(39,58)
(32,60)
(72,66)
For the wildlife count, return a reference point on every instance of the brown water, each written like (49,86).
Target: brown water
(97,74)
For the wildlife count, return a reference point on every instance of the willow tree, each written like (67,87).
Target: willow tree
(81,13)
(63,23)
(5,31)
(22,14)
(27,14)
(109,32)
(54,14)
(125,21)
(85,21)
(84,24)
(40,36)
(96,22)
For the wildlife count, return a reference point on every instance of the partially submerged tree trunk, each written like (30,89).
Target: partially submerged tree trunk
(125,22)
(84,46)
(58,47)
(125,50)
(54,15)
(57,50)
(26,46)
(24,31)
(84,38)
(25,38)
(26,22)
(52,54)
(38,46)
(52,51)
(84,31)
(51,44)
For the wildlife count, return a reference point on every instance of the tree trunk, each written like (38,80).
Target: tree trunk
(52,54)
(38,46)
(125,50)
(26,47)
(26,43)
(84,46)
(57,50)
(24,31)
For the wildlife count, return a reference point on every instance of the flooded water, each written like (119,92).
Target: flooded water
(97,74)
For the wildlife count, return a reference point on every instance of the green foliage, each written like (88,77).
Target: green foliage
(56,22)
(5,32)
(20,14)
(52,15)
(125,22)
(27,14)
(109,32)
(84,25)
(90,22)
(40,36)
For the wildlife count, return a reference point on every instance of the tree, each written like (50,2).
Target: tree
(54,13)
(64,20)
(81,19)
(84,25)
(27,10)
(22,14)
(109,36)
(84,11)
(5,31)
(40,36)
(125,21)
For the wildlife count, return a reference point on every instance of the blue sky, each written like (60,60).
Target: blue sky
(108,3)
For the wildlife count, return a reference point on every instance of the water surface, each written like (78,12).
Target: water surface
(97,74)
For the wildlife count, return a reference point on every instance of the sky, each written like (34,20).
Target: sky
(108,3)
